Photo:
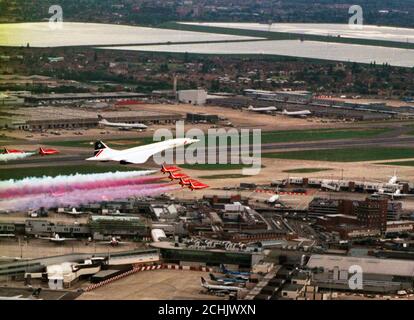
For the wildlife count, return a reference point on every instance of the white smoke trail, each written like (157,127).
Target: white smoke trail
(67,180)
(15,156)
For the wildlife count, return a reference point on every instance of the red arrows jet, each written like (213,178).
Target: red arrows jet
(169,169)
(11,151)
(176,176)
(47,152)
(197,185)
(185,182)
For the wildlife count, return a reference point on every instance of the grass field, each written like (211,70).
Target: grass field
(6,174)
(8,140)
(222,176)
(399,163)
(321,134)
(345,155)
(318,135)
(113,143)
(213,167)
(306,170)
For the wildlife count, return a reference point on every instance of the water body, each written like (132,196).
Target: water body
(294,48)
(39,34)
(324,29)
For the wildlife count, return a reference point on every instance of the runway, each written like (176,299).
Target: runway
(266,148)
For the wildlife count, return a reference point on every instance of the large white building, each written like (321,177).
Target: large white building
(10,100)
(195,97)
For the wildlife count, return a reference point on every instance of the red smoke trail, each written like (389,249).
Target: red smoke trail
(89,185)
(82,197)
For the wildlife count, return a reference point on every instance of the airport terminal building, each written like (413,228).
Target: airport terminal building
(75,118)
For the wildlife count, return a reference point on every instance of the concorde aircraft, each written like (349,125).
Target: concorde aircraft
(136,155)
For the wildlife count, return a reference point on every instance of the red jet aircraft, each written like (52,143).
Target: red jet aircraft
(177,176)
(197,185)
(47,152)
(11,151)
(169,169)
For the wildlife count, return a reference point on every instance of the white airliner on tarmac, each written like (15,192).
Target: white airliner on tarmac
(73,212)
(219,288)
(396,194)
(136,155)
(262,109)
(301,113)
(121,125)
(57,239)
(393,180)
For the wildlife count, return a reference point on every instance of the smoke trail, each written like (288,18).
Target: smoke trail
(83,197)
(15,156)
(67,180)
(63,188)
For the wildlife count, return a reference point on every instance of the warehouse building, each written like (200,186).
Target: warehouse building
(202,118)
(44,227)
(10,100)
(195,97)
(320,110)
(378,275)
(49,118)
(64,97)
(118,226)
(387,209)
(301,97)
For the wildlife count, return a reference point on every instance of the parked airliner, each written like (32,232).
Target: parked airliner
(121,125)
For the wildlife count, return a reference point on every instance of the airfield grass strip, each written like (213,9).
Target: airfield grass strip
(306,170)
(345,155)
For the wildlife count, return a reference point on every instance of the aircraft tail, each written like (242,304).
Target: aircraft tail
(223,268)
(99,148)
(212,277)
(203,281)
(99,145)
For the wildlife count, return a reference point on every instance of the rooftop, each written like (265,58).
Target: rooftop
(114,218)
(393,267)
(292,287)
(52,113)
